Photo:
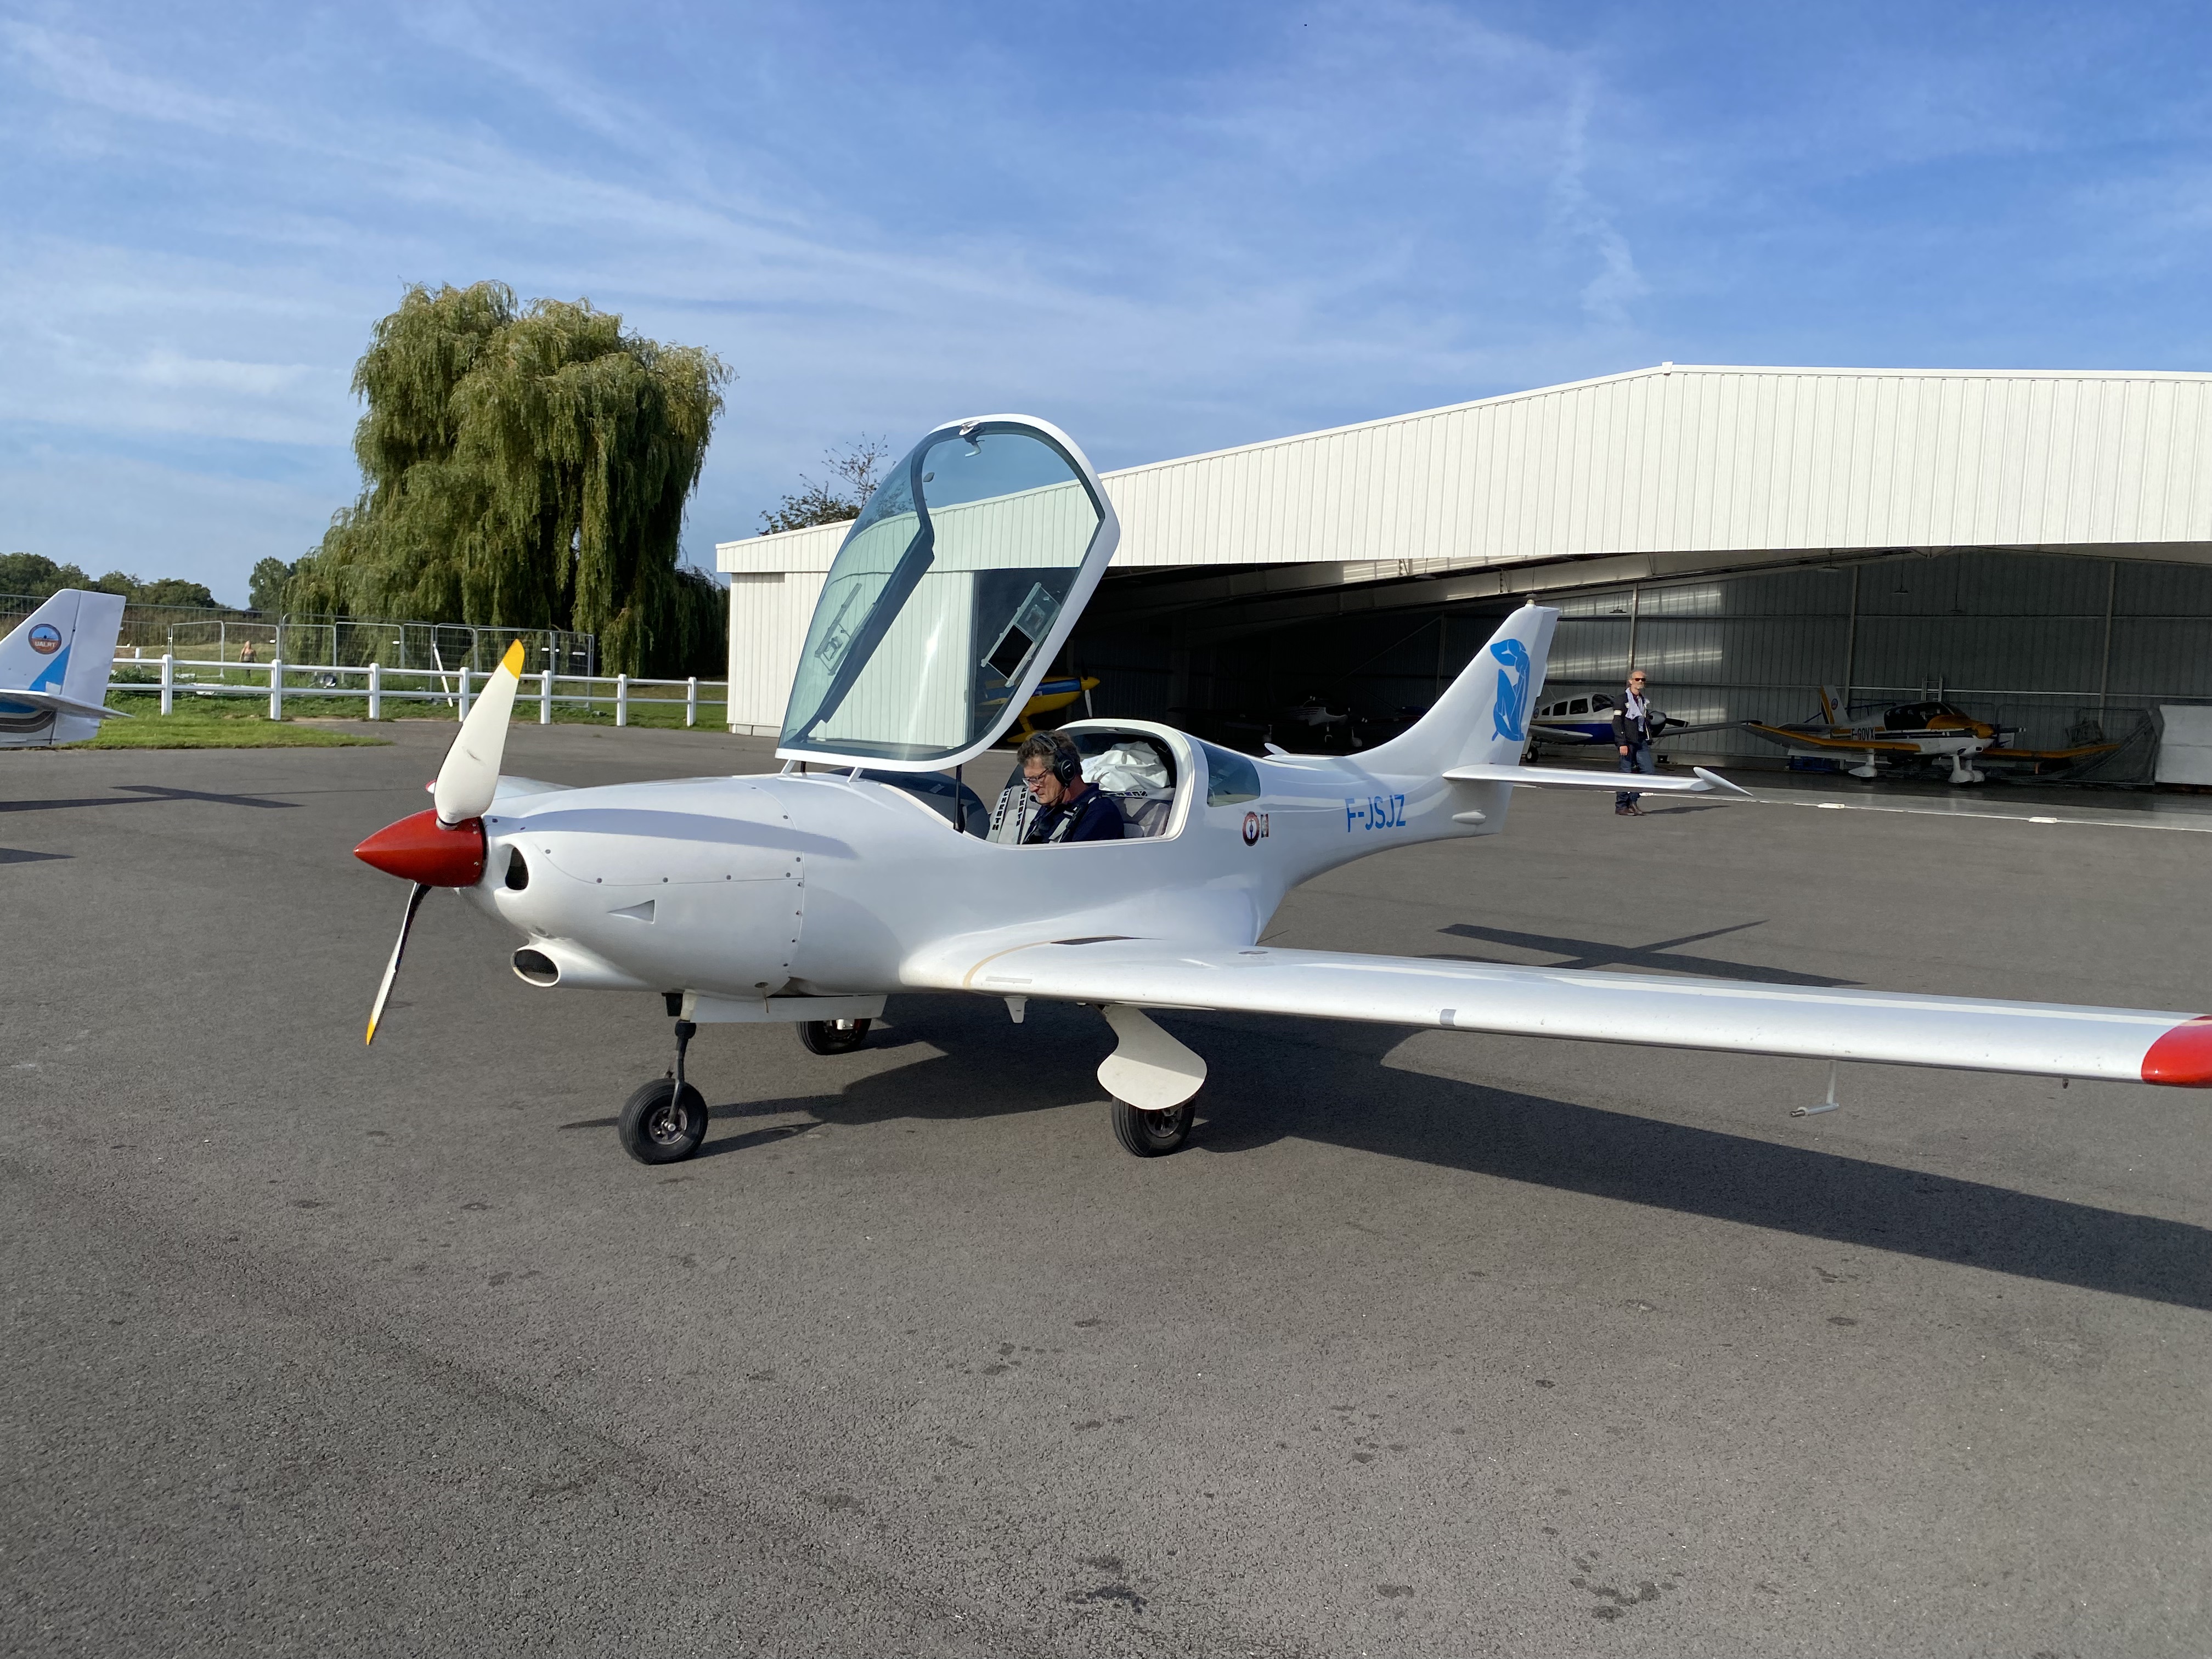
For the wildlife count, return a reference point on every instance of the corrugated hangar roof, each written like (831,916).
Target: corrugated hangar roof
(1680,461)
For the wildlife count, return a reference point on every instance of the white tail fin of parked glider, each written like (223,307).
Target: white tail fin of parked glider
(54,670)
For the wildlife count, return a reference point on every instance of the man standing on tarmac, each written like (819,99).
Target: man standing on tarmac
(1632,733)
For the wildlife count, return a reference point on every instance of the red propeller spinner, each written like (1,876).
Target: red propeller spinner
(445,847)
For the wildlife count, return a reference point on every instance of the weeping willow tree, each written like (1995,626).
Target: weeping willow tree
(526,468)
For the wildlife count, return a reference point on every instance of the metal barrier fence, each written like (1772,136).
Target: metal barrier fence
(253,637)
(281,682)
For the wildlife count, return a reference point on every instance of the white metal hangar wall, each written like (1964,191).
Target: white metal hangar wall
(1620,488)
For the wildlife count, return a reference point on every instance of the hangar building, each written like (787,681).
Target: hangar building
(2036,547)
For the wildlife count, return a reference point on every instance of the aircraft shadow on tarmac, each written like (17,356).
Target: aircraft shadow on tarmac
(1273,1077)
(140,794)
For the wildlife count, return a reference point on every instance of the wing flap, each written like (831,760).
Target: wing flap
(1964,1033)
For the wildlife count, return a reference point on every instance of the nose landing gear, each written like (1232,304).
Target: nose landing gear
(664,1120)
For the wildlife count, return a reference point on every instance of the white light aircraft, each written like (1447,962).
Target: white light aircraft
(810,895)
(54,670)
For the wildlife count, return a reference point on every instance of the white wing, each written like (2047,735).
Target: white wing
(1965,1033)
(1559,777)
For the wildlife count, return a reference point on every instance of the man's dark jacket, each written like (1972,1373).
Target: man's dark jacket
(1093,816)
(1626,731)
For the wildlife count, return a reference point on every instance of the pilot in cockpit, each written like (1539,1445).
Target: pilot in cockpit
(1071,809)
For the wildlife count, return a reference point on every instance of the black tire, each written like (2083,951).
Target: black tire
(1152,1134)
(657,1126)
(832,1036)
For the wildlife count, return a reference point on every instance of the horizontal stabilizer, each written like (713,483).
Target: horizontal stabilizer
(62,705)
(1556,777)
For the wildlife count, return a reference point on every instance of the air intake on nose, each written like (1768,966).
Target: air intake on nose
(536,967)
(518,873)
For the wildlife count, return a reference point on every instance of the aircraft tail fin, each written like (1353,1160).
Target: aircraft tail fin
(64,649)
(1832,707)
(1483,716)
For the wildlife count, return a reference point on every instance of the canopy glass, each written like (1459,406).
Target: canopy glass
(948,599)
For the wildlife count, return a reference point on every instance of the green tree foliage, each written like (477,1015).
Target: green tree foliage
(264,588)
(853,474)
(167,590)
(35,577)
(526,468)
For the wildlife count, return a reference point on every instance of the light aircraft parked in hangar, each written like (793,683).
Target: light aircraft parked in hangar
(810,895)
(1934,731)
(54,669)
(1051,697)
(1574,722)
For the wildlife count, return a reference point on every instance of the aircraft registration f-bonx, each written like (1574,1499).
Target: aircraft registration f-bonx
(810,895)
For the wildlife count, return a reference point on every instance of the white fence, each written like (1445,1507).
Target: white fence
(280,681)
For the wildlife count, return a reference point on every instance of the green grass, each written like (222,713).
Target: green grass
(238,724)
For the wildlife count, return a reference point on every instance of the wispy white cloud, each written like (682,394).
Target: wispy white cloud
(77,67)
(1249,221)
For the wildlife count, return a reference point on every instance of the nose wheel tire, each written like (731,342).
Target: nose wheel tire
(659,1125)
(832,1036)
(1151,1134)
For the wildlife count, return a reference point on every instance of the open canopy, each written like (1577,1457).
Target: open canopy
(949,598)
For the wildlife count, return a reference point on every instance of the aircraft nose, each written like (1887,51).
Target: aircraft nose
(421,850)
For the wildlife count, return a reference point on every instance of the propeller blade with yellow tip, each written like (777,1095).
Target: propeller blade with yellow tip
(469,777)
(392,967)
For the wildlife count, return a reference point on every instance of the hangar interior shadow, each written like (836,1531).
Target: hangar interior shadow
(983,1069)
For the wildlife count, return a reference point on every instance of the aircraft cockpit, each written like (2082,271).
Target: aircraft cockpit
(1135,770)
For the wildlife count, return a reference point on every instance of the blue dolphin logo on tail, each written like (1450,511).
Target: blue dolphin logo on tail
(1512,688)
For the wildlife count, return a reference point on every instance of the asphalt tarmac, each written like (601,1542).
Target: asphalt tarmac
(1430,1343)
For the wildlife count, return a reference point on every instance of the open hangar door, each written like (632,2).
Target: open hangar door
(1213,666)
(2069,649)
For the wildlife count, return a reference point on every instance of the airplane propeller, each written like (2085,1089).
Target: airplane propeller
(445,846)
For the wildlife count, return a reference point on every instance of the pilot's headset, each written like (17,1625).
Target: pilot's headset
(1067,759)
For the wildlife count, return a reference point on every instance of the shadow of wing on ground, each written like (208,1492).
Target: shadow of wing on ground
(1596,953)
(972,1063)
(19,855)
(1638,1160)
(142,794)
(979,1065)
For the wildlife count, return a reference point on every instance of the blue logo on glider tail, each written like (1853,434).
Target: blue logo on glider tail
(1512,688)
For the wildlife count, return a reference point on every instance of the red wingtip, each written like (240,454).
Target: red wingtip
(419,848)
(2182,1059)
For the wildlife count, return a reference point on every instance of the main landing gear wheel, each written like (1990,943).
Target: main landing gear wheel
(662,1124)
(1151,1134)
(832,1036)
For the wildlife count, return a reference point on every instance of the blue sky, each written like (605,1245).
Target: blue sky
(1168,227)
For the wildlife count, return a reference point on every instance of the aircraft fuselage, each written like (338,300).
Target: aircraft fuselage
(821,883)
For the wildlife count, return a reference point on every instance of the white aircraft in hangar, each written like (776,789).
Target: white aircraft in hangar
(810,896)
